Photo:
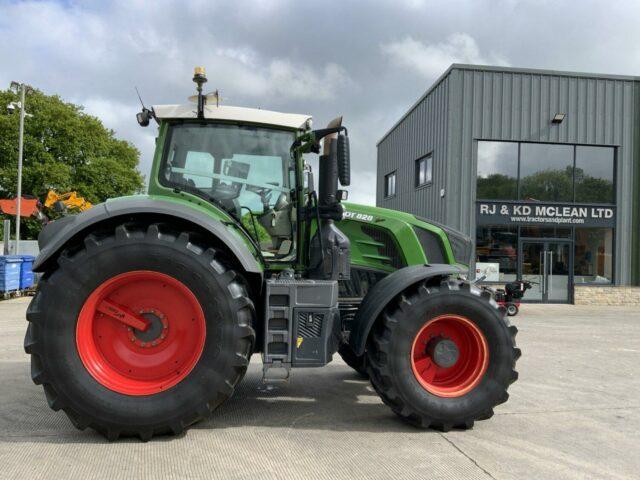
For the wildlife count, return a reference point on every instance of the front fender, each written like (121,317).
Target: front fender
(384,291)
(57,234)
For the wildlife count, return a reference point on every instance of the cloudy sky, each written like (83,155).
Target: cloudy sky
(368,61)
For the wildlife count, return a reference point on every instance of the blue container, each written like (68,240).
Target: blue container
(10,272)
(26,272)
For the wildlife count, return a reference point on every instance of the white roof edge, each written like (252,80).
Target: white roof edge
(240,114)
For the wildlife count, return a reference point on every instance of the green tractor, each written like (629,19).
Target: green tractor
(150,307)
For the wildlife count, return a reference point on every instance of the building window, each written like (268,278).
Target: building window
(593,261)
(594,175)
(424,171)
(546,172)
(497,253)
(390,184)
(497,171)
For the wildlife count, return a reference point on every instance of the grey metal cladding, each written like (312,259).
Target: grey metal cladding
(495,103)
(423,131)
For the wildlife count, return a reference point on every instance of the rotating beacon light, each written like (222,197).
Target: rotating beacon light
(200,78)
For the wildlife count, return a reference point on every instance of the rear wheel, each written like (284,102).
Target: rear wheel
(512,309)
(443,355)
(106,373)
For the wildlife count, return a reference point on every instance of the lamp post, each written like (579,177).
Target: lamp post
(22,88)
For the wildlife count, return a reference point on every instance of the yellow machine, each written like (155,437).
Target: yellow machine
(69,200)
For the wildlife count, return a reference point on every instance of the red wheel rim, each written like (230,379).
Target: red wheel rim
(472,361)
(131,362)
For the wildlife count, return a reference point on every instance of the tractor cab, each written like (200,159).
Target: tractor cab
(248,163)
(238,159)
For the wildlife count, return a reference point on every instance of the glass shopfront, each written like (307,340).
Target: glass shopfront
(545,213)
(593,255)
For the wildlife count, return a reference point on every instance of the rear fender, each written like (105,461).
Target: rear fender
(57,234)
(384,292)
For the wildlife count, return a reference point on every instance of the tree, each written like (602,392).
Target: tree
(64,149)
(548,185)
(593,189)
(497,187)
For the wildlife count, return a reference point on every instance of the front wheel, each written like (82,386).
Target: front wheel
(442,355)
(112,374)
(512,309)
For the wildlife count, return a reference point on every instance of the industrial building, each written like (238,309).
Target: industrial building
(541,168)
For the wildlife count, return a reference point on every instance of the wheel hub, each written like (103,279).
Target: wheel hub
(155,333)
(449,355)
(443,352)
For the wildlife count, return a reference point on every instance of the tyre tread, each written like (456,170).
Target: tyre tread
(244,332)
(379,345)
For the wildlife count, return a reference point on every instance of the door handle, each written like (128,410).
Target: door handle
(543,271)
(550,286)
(545,287)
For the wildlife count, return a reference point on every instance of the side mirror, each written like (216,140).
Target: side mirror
(308,178)
(143,117)
(344,161)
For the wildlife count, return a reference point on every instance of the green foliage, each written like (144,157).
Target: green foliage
(65,149)
(497,187)
(263,236)
(548,185)
(593,189)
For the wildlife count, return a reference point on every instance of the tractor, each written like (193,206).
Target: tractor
(150,307)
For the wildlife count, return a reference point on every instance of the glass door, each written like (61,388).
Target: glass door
(558,271)
(547,265)
(532,267)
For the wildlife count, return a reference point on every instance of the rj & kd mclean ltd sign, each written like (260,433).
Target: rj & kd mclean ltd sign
(545,213)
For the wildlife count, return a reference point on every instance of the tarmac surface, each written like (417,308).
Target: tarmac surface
(574,413)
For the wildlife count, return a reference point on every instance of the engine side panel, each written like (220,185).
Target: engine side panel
(414,242)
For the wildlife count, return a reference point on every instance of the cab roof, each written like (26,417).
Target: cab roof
(240,114)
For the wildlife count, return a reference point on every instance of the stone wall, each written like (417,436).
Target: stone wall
(615,295)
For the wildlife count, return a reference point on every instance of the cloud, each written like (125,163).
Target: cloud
(321,58)
(282,77)
(431,60)
(94,55)
(300,82)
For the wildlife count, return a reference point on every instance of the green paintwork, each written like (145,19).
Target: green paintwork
(365,251)
(191,201)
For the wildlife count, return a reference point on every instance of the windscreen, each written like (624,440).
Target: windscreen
(245,170)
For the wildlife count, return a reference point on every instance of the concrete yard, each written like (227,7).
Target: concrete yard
(574,413)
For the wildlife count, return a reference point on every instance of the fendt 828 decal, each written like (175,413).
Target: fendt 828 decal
(363,217)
